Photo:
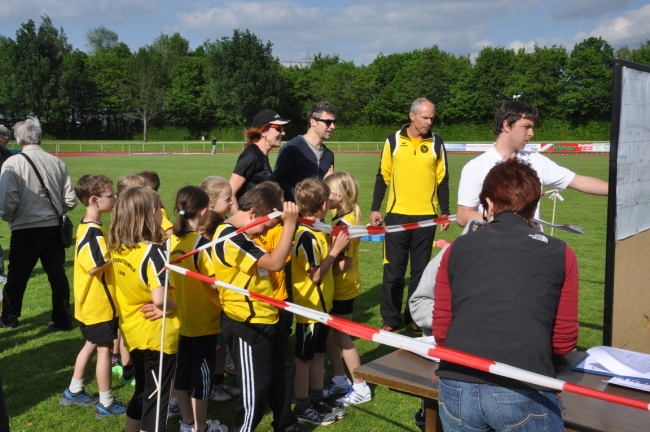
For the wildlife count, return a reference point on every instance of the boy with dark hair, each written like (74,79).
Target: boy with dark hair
(513,126)
(313,286)
(94,292)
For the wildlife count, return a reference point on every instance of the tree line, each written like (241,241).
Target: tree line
(168,91)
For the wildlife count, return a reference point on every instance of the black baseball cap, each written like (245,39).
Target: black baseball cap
(268,116)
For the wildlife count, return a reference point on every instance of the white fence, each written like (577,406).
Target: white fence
(336,146)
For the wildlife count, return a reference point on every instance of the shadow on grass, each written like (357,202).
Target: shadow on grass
(44,369)
(598,327)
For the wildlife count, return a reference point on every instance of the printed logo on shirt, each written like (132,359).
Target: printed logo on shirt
(424,148)
(403,143)
(538,237)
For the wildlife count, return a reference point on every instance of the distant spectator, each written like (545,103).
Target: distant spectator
(253,166)
(5,154)
(214,145)
(306,156)
(34,223)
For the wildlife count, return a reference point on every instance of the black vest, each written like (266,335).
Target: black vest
(505,280)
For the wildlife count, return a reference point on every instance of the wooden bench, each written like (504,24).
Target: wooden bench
(409,373)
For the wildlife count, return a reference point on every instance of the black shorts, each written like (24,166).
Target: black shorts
(196,356)
(141,407)
(342,307)
(310,339)
(101,333)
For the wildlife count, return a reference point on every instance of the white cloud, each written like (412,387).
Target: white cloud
(630,29)
(62,11)
(528,46)
(357,31)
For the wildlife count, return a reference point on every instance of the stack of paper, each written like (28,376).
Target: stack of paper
(616,362)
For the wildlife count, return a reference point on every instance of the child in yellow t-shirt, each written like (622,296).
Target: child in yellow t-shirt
(94,292)
(153,182)
(220,194)
(200,307)
(138,265)
(251,327)
(313,287)
(347,287)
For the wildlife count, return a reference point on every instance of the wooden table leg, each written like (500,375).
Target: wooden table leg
(432,418)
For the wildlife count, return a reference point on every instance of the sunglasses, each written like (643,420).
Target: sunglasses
(328,122)
(277,127)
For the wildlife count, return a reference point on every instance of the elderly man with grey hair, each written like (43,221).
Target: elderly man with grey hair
(34,223)
(413,168)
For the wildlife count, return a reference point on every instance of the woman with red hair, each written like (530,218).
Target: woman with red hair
(509,293)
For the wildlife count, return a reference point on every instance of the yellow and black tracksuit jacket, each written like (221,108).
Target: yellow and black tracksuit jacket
(416,175)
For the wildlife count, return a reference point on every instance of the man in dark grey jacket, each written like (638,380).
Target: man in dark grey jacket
(34,223)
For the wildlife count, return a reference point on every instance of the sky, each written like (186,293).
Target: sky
(356,30)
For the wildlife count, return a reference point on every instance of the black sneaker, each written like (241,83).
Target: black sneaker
(327,407)
(314,416)
(12,325)
(59,327)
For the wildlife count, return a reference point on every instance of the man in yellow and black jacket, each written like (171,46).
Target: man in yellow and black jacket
(414,169)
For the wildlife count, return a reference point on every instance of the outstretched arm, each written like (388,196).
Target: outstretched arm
(590,185)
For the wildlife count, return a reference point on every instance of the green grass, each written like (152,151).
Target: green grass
(36,365)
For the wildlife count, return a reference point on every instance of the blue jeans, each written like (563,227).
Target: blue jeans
(481,407)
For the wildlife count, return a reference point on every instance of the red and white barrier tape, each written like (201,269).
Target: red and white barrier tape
(229,236)
(423,348)
(355,231)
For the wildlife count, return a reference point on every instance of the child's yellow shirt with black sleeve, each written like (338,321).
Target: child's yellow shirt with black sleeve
(235,262)
(269,242)
(309,250)
(94,296)
(166,223)
(347,284)
(139,271)
(198,303)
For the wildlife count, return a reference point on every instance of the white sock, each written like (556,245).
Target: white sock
(173,401)
(361,387)
(106,398)
(341,379)
(76,385)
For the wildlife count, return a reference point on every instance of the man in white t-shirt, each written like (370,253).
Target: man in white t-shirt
(513,126)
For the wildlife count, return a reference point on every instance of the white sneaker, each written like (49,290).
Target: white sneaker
(354,397)
(229,365)
(218,395)
(215,426)
(185,427)
(334,388)
(226,387)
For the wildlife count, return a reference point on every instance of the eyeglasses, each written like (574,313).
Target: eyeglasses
(277,127)
(327,122)
(108,196)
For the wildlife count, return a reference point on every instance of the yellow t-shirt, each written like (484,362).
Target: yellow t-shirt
(94,295)
(309,250)
(347,284)
(278,279)
(139,271)
(198,303)
(166,223)
(235,262)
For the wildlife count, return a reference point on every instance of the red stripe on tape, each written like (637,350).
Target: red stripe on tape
(352,328)
(597,394)
(461,358)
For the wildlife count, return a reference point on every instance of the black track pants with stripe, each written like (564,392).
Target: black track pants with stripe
(258,352)
(398,248)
